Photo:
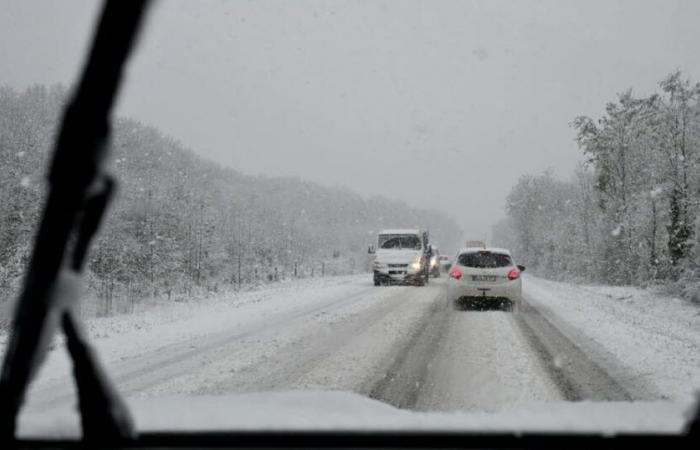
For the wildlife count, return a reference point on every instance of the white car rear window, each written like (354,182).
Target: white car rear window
(485,259)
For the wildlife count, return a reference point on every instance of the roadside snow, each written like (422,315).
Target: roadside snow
(655,337)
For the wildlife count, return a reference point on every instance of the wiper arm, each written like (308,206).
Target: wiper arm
(79,191)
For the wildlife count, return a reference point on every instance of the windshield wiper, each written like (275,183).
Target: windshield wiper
(79,192)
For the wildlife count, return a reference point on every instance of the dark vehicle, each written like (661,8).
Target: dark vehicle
(445,263)
(435,263)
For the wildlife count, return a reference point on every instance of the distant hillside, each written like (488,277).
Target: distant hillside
(182,224)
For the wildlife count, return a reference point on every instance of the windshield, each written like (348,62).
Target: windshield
(264,259)
(400,242)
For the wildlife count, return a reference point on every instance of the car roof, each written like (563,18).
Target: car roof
(401,231)
(484,249)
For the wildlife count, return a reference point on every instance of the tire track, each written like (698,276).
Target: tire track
(148,370)
(297,358)
(402,382)
(575,364)
(574,367)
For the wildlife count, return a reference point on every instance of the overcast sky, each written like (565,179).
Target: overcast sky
(437,103)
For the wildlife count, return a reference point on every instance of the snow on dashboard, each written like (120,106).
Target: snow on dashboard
(332,410)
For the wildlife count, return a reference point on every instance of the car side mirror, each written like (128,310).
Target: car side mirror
(370,249)
(521,268)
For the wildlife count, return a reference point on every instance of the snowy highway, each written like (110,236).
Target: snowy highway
(405,346)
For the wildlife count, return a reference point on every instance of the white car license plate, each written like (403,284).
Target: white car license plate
(483,278)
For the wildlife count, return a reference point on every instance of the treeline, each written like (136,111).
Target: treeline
(180,224)
(629,215)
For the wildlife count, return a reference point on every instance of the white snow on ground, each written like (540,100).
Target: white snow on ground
(655,336)
(483,364)
(336,347)
(128,336)
(337,333)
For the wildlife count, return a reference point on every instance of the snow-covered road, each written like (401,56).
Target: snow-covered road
(405,346)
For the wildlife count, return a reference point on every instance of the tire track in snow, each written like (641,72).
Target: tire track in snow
(575,365)
(425,373)
(298,358)
(481,363)
(402,382)
(148,370)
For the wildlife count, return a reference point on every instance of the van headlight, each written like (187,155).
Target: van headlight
(414,266)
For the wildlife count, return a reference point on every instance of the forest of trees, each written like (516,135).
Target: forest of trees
(181,225)
(629,215)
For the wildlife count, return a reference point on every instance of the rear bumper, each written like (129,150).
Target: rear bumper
(511,290)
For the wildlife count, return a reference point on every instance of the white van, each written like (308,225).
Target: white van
(401,256)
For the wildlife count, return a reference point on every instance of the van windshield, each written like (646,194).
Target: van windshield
(400,242)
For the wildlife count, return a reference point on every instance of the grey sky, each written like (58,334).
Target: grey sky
(438,103)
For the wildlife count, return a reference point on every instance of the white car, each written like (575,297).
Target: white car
(487,276)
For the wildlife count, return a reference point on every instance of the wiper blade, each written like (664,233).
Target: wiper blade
(79,191)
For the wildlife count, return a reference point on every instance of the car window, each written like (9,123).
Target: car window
(483,260)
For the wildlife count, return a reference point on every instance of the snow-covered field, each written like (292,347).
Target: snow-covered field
(630,356)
